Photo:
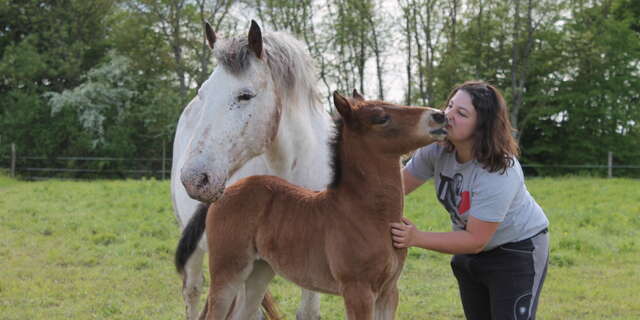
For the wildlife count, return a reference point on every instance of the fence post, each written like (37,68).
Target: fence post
(13,160)
(164,151)
(610,165)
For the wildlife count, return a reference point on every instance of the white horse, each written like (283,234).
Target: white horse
(258,113)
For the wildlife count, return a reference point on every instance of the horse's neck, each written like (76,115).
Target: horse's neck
(371,179)
(300,152)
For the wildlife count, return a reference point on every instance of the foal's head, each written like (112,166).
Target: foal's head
(389,128)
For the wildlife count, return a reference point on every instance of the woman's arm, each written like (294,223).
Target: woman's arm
(471,240)
(410,182)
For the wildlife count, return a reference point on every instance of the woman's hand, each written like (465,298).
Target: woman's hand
(403,233)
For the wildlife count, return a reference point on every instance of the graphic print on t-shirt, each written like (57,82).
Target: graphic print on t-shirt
(453,198)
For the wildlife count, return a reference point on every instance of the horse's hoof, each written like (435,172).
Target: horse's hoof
(307,317)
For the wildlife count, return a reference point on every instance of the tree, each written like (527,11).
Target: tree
(216,13)
(45,46)
(598,100)
(297,17)
(356,40)
(104,98)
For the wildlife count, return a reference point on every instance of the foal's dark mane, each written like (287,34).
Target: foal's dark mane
(335,144)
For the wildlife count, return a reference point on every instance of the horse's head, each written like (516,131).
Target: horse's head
(240,115)
(390,128)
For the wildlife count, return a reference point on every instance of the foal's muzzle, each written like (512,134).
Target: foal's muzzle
(440,119)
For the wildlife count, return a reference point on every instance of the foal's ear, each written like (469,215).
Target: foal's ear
(342,105)
(357,95)
(209,34)
(255,39)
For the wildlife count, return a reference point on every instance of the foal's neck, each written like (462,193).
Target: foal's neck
(372,179)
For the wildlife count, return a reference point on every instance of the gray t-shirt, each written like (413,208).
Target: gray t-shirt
(467,189)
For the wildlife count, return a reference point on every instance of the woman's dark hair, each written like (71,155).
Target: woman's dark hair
(494,145)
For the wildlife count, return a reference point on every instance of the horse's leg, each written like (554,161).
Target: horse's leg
(192,280)
(386,304)
(309,306)
(255,288)
(359,301)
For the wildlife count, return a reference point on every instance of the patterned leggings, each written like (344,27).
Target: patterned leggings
(505,282)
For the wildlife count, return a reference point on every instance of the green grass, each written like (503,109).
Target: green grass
(104,250)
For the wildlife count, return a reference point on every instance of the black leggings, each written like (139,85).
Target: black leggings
(503,283)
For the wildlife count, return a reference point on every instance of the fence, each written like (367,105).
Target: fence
(36,168)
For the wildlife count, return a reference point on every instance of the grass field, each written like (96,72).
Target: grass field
(104,250)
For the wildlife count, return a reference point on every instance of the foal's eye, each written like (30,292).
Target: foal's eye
(246,96)
(379,120)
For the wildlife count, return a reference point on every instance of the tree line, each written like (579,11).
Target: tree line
(110,77)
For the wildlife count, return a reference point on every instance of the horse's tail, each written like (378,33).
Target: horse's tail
(270,307)
(191,236)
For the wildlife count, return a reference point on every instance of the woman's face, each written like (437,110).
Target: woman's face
(462,116)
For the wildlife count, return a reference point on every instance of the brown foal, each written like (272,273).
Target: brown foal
(336,241)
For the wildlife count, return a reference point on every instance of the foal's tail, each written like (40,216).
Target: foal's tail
(191,235)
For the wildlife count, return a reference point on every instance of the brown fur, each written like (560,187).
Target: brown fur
(336,241)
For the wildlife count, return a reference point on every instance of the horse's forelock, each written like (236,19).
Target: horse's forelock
(291,66)
(233,54)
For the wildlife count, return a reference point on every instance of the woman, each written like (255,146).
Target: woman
(499,238)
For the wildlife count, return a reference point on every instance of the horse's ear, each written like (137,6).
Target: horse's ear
(357,95)
(342,105)
(255,39)
(209,34)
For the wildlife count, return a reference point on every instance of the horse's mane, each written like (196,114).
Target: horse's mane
(291,66)
(336,164)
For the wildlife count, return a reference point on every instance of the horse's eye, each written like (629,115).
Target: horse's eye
(246,96)
(379,120)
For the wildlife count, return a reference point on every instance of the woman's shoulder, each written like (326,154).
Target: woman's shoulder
(432,150)
(498,184)
(512,172)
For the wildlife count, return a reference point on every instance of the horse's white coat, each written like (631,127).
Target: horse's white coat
(232,138)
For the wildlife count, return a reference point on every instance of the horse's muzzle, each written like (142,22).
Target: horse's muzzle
(202,186)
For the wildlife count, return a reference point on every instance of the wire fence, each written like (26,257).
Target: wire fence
(84,168)
(38,168)
(89,168)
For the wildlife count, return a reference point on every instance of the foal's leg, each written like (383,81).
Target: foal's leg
(255,288)
(359,301)
(309,306)
(225,286)
(386,304)
(192,283)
